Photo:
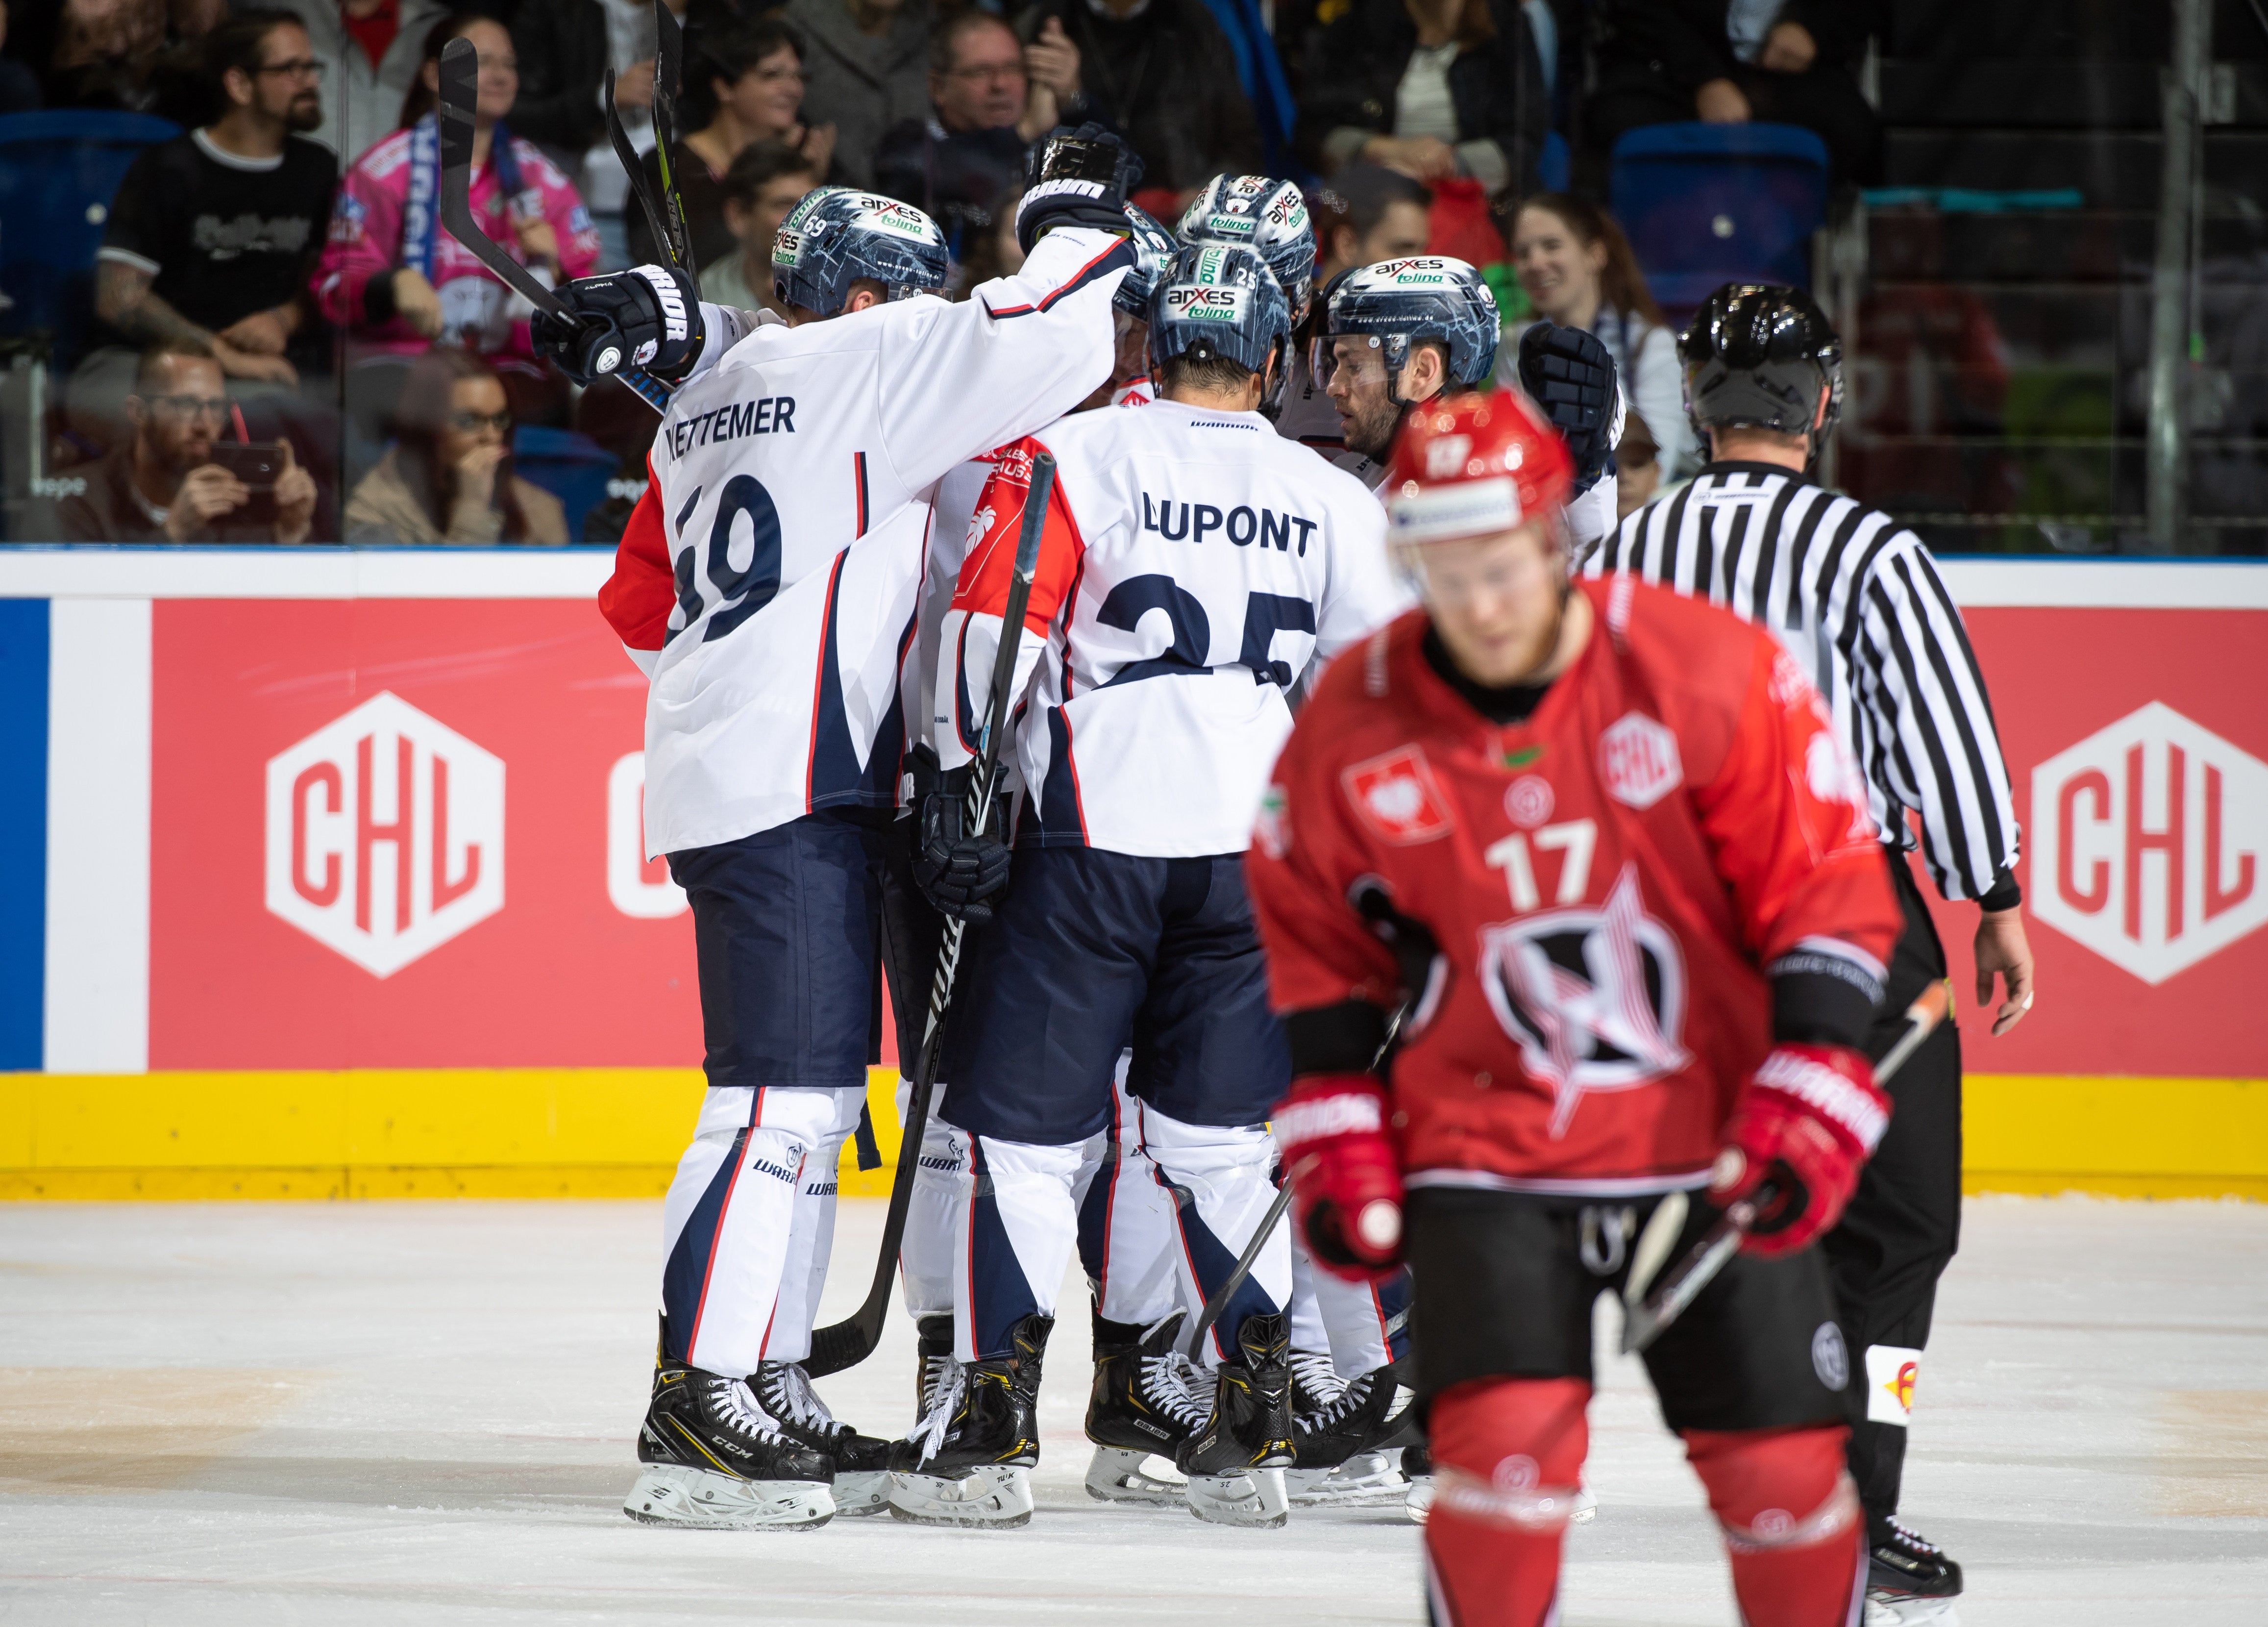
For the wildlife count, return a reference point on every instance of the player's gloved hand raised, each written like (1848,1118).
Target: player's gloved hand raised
(956,868)
(1571,374)
(648,316)
(1345,1177)
(1082,178)
(1811,1115)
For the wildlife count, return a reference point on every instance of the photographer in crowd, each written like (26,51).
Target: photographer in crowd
(169,483)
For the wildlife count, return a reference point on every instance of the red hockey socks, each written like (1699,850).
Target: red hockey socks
(1791,1522)
(1507,1454)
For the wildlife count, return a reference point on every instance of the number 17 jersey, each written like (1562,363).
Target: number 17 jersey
(1192,564)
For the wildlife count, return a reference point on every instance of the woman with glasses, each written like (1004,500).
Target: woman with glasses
(448,476)
(748,79)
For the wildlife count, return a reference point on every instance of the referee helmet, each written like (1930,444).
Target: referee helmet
(1756,357)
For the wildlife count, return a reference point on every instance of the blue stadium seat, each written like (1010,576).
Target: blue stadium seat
(58,174)
(569,465)
(1710,203)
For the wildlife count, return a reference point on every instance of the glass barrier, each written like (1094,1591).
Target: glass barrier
(231,315)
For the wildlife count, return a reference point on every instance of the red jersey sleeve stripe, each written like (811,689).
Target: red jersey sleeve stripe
(1119,254)
(637,598)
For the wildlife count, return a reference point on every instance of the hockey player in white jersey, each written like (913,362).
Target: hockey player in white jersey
(766,585)
(1192,564)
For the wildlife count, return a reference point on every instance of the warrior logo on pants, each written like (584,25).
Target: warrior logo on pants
(1596,997)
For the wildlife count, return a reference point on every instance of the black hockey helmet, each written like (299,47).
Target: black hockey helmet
(1755,356)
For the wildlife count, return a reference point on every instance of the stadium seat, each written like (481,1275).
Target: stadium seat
(58,173)
(1552,164)
(1706,204)
(572,467)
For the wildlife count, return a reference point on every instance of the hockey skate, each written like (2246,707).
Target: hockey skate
(970,1461)
(1910,1581)
(862,1463)
(1339,1431)
(1235,1463)
(713,1457)
(1141,1408)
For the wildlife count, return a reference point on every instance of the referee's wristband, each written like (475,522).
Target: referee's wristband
(2005,894)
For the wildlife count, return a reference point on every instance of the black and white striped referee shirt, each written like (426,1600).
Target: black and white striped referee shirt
(1857,599)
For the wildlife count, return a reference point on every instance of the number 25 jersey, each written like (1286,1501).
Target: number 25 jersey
(1192,564)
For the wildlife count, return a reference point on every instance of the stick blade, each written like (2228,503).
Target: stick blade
(460,96)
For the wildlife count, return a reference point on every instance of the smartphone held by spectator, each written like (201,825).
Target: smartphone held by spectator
(448,476)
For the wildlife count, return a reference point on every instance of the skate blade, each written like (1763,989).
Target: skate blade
(1418,1502)
(1256,1498)
(1586,1506)
(994,1499)
(669,1494)
(863,1492)
(1889,1609)
(1366,1478)
(1119,1475)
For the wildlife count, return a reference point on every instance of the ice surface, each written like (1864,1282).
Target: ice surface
(392,1412)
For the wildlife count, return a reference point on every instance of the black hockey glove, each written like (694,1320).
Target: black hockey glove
(958,871)
(649,317)
(1571,376)
(1082,178)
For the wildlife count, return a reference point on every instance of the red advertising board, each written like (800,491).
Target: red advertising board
(304,914)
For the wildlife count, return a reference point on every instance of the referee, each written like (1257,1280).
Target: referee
(1857,600)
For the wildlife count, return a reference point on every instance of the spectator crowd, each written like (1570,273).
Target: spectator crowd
(283,345)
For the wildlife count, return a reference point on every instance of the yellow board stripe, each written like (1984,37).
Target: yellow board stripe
(617,1132)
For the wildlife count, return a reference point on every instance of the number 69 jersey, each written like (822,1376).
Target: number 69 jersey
(1192,564)
(766,581)
(1607,885)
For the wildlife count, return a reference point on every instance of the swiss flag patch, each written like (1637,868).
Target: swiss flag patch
(1396,797)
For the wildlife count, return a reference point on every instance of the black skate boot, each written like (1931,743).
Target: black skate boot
(713,1457)
(970,1461)
(1339,1431)
(862,1463)
(1910,1581)
(933,1343)
(1141,1407)
(1235,1463)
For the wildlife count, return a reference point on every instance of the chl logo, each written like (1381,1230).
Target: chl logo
(385,835)
(2146,838)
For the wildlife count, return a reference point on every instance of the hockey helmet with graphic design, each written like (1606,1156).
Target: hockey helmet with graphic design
(1756,356)
(838,235)
(1475,465)
(1154,248)
(1218,300)
(1398,303)
(1266,216)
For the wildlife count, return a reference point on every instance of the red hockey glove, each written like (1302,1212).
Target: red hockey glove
(1810,1116)
(1345,1177)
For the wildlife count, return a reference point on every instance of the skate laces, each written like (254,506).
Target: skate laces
(1168,1388)
(740,1407)
(929,1434)
(787,1395)
(1314,1378)
(1904,1535)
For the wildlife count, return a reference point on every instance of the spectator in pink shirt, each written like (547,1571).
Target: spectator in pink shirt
(393,277)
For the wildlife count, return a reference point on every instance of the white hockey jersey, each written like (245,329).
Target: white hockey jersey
(767,580)
(1191,565)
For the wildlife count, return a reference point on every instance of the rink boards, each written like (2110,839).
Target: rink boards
(236,958)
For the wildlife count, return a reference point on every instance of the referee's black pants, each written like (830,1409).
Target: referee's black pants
(1904,1223)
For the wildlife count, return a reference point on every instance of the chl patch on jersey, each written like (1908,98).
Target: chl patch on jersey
(1394,796)
(1639,762)
(1594,997)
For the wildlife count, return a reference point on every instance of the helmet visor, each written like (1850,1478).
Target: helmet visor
(1363,355)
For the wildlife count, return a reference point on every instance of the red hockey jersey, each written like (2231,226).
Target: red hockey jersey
(1606,883)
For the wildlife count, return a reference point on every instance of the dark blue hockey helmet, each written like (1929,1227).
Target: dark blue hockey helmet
(835,235)
(1397,302)
(1154,248)
(1268,216)
(1217,301)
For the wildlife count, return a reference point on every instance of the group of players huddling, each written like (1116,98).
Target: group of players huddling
(1558,897)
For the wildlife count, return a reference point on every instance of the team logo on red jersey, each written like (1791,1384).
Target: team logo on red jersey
(1639,760)
(1594,995)
(1396,797)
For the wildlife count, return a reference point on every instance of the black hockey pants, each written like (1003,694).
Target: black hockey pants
(1905,1222)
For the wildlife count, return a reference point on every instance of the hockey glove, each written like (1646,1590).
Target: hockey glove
(649,317)
(1345,1177)
(956,870)
(1571,376)
(1811,1115)
(1081,179)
